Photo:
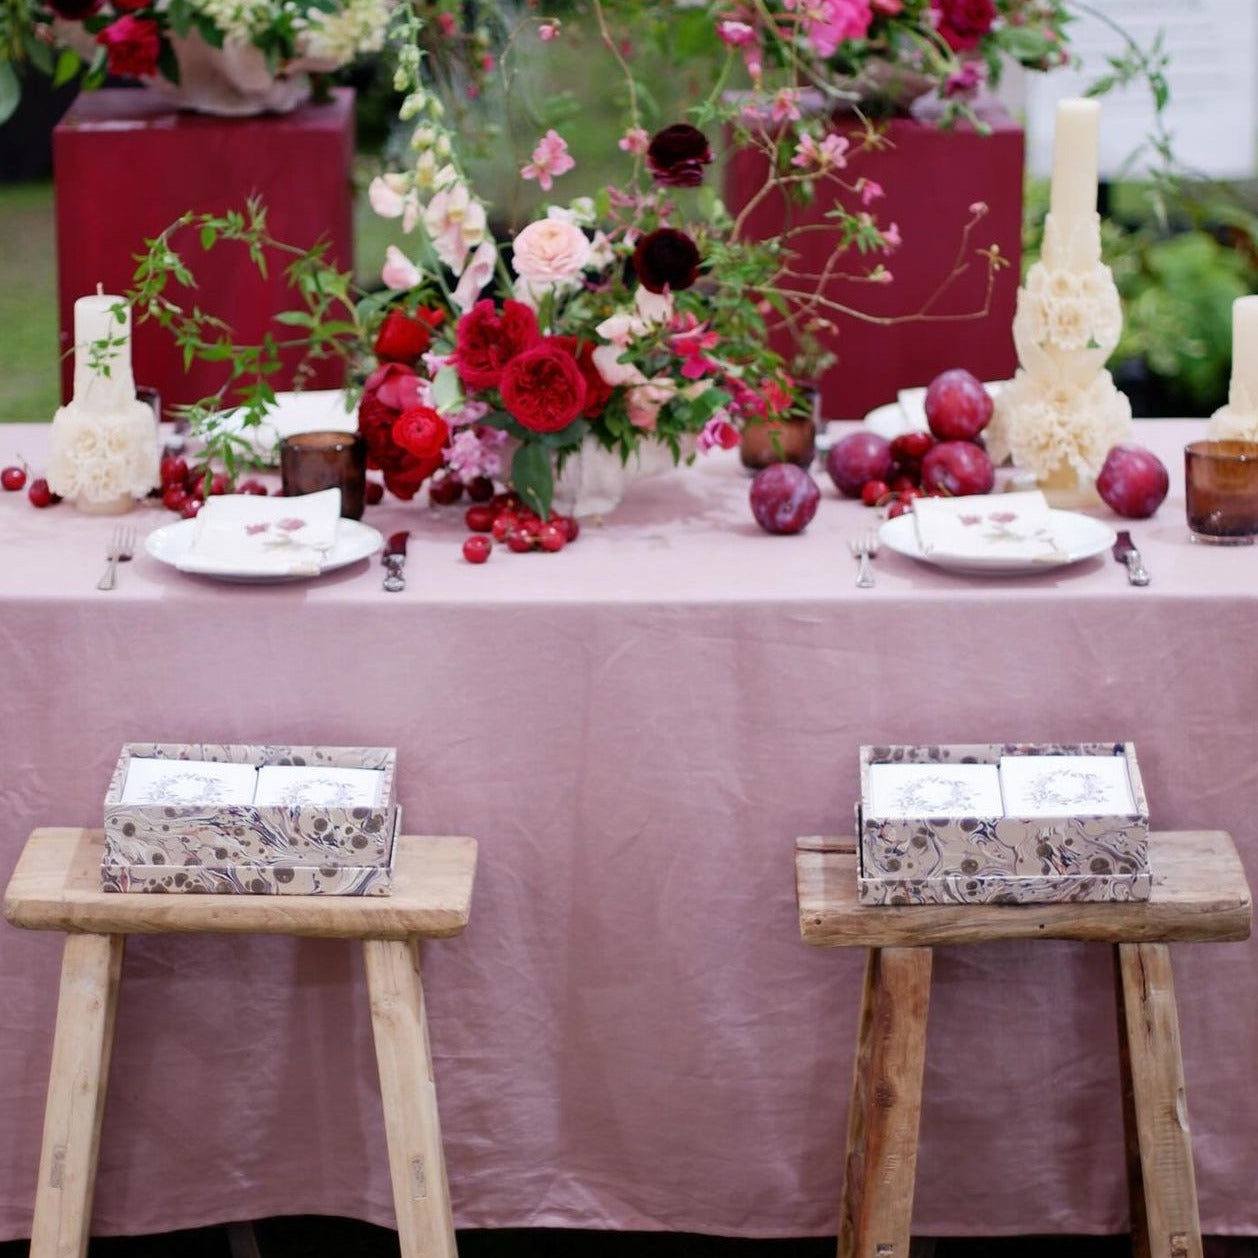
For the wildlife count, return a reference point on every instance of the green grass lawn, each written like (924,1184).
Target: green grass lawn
(29,380)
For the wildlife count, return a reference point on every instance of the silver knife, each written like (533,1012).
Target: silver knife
(394,558)
(1126,553)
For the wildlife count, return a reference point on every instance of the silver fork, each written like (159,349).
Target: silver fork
(863,549)
(121,547)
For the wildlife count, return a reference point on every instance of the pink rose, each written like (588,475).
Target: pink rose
(550,251)
(643,401)
(831,22)
(962,23)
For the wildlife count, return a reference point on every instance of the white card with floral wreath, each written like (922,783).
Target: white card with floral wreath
(1066,786)
(318,786)
(933,790)
(236,533)
(1013,525)
(187,782)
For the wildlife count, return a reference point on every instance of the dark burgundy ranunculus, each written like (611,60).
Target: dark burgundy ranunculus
(666,259)
(543,388)
(962,23)
(74,10)
(677,155)
(597,390)
(403,338)
(486,341)
(132,45)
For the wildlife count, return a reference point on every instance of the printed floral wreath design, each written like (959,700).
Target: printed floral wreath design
(929,794)
(190,788)
(1065,788)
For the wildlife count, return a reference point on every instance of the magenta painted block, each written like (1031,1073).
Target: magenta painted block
(931,178)
(127,165)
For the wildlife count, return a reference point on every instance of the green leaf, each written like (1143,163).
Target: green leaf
(68,63)
(10,90)
(532,478)
(447,390)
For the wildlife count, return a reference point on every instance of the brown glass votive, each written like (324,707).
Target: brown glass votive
(311,461)
(777,441)
(1221,491)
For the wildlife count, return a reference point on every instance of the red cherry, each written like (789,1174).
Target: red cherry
(40,495)
(444,490)
(873,492)
(219,483)
(13,477)
(373,492)
(503,526)
(477,547)
(190,507)
(480,518)
(912,446)
(570,524)
(174,470)
(252,486)
(481,489)
(898,508)
(552,537)
(520,542)
(174,497)
(902,482)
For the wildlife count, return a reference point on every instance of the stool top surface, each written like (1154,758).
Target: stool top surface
(56,886)
(1199,893)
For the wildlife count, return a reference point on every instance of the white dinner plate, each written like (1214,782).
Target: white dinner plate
(1077,537)
(314,410)
(354,541)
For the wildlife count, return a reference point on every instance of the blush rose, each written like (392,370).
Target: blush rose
(550,251)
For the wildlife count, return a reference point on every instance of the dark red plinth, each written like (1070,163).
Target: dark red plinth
(126,166)
(930,178)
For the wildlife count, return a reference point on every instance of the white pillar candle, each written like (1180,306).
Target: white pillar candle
(1244,390)
(1076,140)
(102,349)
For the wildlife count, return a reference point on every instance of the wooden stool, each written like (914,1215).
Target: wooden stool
(56,886)
(1199,894)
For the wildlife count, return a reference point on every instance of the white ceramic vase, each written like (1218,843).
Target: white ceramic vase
(593,480)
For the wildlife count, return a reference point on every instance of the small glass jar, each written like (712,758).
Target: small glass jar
(311,461)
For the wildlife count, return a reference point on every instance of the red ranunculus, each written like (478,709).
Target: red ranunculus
(543,388)
(666,259)
(677,155)
(132,46)
(485,341)
(403,338)
(962,23)
(391,389)
(422,432)
(597,390)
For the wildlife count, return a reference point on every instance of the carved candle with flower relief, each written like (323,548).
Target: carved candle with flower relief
(1061,413)
(104,450)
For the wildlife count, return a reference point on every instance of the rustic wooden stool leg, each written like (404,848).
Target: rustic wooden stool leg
(421,1195)
(1165,1223)
(881,1159)
(88,999)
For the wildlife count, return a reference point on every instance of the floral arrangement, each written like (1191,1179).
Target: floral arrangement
(889,52)
(158,40)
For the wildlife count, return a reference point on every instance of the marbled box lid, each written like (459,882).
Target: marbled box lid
(250,833)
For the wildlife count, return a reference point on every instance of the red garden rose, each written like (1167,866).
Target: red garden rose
(597,390)
(543,388)
(422,432)
(485,341)
(962,23)
(666,259)
(677,155)
(130,6)
(403,338)
(132,46)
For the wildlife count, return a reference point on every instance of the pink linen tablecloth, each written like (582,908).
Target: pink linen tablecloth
(630,1033)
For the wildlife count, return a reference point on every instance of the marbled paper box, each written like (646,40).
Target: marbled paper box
(1001,857)
(341,843)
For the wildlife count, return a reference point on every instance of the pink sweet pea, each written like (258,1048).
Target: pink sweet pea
(399,272)
(718,434)
(635,140)
(550,159)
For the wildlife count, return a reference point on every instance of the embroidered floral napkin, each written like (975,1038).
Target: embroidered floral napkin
(184,782)
(987,526)
(318,786)
(251,535)
(1070,786)
(934,790)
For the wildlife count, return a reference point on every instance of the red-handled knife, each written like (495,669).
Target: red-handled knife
(394,559)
